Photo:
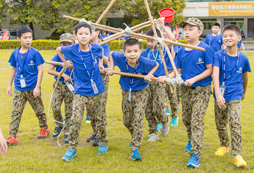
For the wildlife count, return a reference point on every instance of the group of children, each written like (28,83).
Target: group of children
(86,62)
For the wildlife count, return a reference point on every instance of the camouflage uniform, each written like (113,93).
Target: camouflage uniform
(133,114)
(104,99)
(178,93)
(157,101)
(61,93)
(231,113)
(19,101)
(92,103)
(194,104)
(172,97)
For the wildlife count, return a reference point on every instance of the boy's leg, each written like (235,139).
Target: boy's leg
(172,98)
(221,120)
(234,109)
(200,98)
(68,102)
(18,105)
(178,93)
(79,104)
(127,111)
(56,102)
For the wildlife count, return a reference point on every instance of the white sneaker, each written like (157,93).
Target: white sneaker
(153,137)
(165,129)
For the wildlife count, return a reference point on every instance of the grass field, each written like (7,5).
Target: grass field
(165,155)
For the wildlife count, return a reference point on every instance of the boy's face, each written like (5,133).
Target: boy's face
(191,33)
(25,39)
(215,29)
(151,43)
(132,53)
(95,34)
(65,43)
(165,35)
(230,38)
(83,35)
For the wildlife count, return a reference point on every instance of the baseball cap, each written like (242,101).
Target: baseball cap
(192,21)
(66,37)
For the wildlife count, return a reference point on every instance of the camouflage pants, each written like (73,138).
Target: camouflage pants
(178,93)
(232,114)
(194,104)
(133,114)
(104,99)
(61,93)
(19,101)
(157,101)
(79,104)
(172,97)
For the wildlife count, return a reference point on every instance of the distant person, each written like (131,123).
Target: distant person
(243,35)
(240,45)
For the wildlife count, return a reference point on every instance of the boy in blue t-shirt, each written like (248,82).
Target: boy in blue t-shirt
(196,69)
(27,72)
(214,40)
(62,91)
(230,80)
(105,79)
(155,110)
(88,88)
(240,45)
(134,90)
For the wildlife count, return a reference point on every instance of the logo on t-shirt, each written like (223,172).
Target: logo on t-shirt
(219,41)
(200,61)
(31,62)
(240,70)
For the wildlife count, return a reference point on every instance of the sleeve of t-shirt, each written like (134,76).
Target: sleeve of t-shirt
(221,38)
(206,40)
(147,65)
(178,60)
(216,60)
(209,54)
(67,52)
(144,54)
(175,48)
(117,56)
(55,58)
(12,59)
(98,51)
(39,59)
(246,66)
(106,50)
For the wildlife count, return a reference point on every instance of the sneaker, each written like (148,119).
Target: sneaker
(96,141)
(10,140)
(88,120)
(174,121)
(194,161)
(57,131)
(159,126)
(134,155)
(69,154)
(238,161)
(91,138)
(153,137)
(165,129)
(188,147)
(167,112)
(43,133)
(103,149)
(178,108)
(221,151)
(66,139)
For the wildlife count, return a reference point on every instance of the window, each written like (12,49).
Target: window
(208,23)
(236,21)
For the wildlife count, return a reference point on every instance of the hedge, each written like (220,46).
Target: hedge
(53,44)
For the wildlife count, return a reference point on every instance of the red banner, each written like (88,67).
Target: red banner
(5,36)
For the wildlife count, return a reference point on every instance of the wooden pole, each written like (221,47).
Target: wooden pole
(54,63)
(61,73)
(112,39)
(105,12)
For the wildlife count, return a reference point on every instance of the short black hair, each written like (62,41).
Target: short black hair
(150,32)
(82,24)
(23,29)
(232,28)
(216,24)
(169,24)
(97,30)
(131,42)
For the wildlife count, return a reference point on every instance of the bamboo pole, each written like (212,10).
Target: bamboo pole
(105,12)
(54,62)
(112,39)
(61,73)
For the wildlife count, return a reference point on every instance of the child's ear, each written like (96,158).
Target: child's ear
(199,32)
(239,37)
(18,38)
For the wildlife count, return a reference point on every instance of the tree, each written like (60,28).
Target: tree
(3,6)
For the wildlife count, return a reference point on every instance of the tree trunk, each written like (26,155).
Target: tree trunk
(32,28)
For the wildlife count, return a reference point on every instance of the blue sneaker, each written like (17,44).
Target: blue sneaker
(135,155)
(69,154)
(159,126)
(178,108)
(188,147)
(103,149)
(174,121)
(194,161)
(167,112)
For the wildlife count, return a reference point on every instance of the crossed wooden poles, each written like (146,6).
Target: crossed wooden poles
(131,32)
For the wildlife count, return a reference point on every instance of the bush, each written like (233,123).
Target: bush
(118,45)
(37,44)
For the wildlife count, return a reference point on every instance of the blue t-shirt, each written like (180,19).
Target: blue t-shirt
(144,67)
(166,57)
(214,42)
(194,62)
(30,70)
(56,58)
(239,43)
(83,85)
(155,55)
(234,89)
(106,52)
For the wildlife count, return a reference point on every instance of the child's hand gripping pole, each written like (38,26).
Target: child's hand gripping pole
(60,64)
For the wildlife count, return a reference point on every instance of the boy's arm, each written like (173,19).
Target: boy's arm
(242,46)
(61,55)
(150,74)
(112,65)
(3,145)
(55,73)
(12,75)
(245,82)
(216,84)
(36,92)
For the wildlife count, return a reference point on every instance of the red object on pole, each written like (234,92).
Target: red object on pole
(5,36)
(168,13)
(177,37)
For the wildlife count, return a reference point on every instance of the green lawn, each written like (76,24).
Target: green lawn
(165,155)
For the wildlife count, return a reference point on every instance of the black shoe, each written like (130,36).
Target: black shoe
(57,131)
(96,141)
(91,138)
(66,139)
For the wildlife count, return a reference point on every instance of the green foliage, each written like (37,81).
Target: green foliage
(3,6)
(37,44)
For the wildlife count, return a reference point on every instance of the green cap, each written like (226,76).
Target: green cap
(66,37)
(192,21)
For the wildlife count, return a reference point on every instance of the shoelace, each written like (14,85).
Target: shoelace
(9,137)
(42,131)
